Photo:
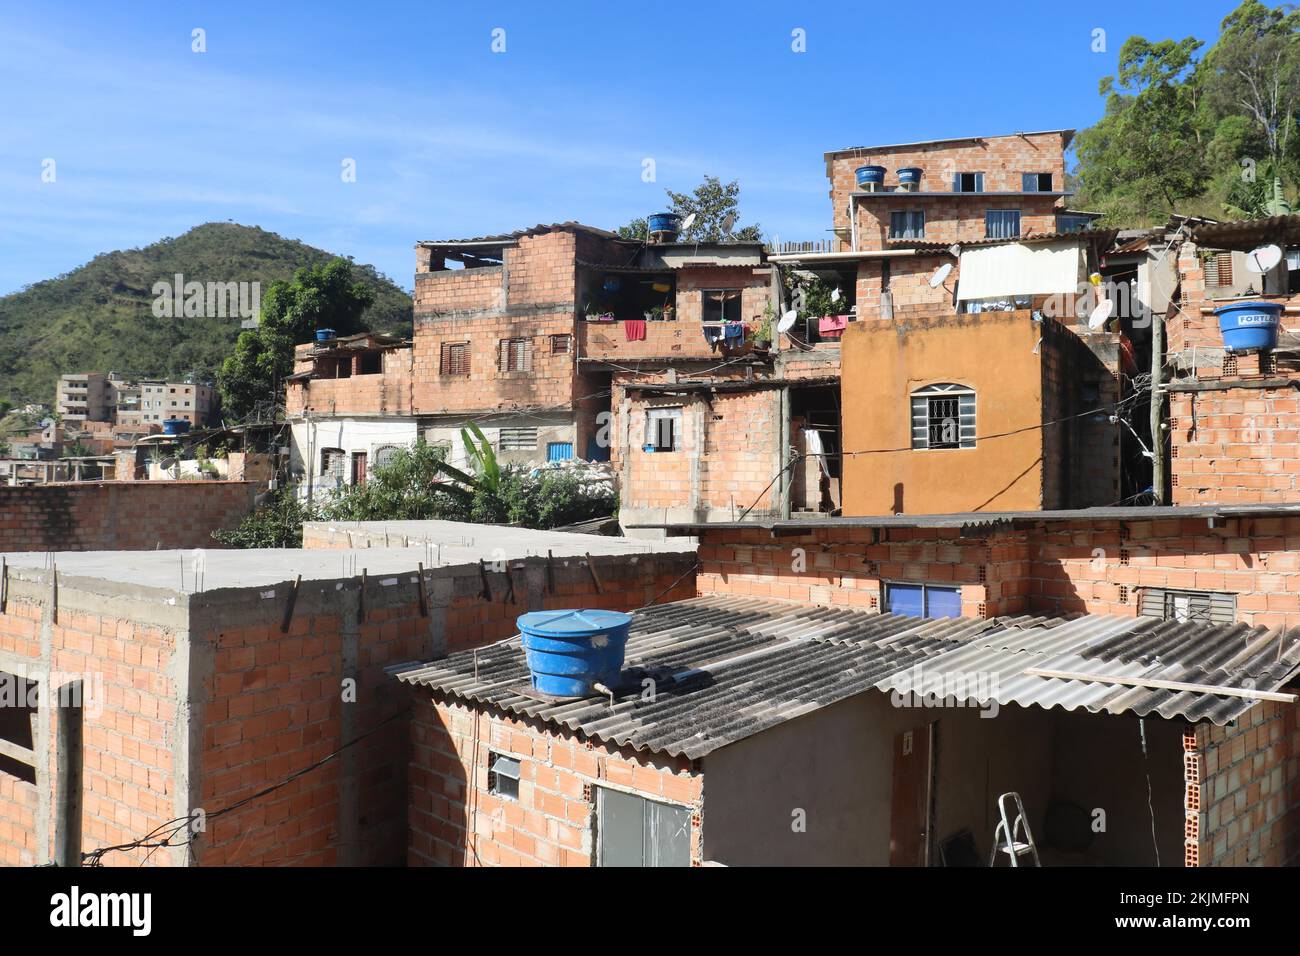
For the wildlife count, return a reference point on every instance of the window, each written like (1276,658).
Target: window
(943,416)
(923,600)
(516,355)
(968,182)
(1072,222)
(517,439)
(663,429)
(561,344)
(454,359)
(1202,607)
(503,775)
(1002,223)
(909,224)
(332,461)
(1036,182)
(721,305)
(634,831)
(384,454)
(559,451)
(17,711)
(1218,270)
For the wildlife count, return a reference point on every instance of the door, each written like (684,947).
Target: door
(358,468)
(909,815)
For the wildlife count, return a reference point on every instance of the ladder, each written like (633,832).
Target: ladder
(1013,839)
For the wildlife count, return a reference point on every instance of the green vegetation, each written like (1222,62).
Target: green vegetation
(321,296)
(711,202)
(1208,135)
(418,484)
(99,317)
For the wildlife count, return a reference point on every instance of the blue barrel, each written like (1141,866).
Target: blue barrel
(870,175)
(175,426)
(569,651)
(324,335)
(910,175)
(666,222)
(1249,325)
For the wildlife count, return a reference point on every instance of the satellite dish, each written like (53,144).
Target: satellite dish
(729,223)
(1101,315)
(1263,259)
(835,296)
(941,275)
(688,222)
(787,321)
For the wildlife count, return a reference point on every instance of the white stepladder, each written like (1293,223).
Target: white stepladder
(1013,839)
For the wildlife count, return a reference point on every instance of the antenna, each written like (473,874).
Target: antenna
(941,275)
(728,223)
(1101,314)
(687,223)
(787,321)
(1263,259)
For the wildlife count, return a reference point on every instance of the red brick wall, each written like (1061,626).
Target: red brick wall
(386,392)
(128,726)
(1238,444)
(455,820)
(1001,158)
(1243,790)
(1059,569)
(121,516)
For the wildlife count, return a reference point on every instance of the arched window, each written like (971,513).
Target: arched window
(943,416)
(384,454)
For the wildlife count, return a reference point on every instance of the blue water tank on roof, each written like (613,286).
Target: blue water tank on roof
(570,651)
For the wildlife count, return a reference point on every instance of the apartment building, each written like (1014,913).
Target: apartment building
(83,397)
(107,397)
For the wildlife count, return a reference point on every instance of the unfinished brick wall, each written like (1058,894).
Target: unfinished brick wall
(1060,568)
(1235,443)
(455,819)
(961,218)
(387,392)
(127,667)
(121,516)
(1243,789)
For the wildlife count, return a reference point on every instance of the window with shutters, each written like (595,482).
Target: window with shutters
(455,358)
(516,355)
(943,416)
(517,439)
(1200,607)
(561,344)
(332,463)
(1218,270)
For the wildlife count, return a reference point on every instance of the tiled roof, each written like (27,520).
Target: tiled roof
(726,668)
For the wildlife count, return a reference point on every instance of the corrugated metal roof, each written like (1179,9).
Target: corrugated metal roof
(1247,233)
(726,668)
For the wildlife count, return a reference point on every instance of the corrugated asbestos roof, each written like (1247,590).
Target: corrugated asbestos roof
(537,230)
(726,668)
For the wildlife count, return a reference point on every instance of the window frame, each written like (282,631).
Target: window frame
(1038,183)
(519,438)
(926,587)
(654,433)
(967,400)
(448,364)
(652,812)
(910,213)
(516,355)
(989,218)
(18,757)
(503,767)
(977,182)
(564,339)
(728,296)
(1220,606)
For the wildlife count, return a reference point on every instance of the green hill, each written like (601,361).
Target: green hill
(99,317)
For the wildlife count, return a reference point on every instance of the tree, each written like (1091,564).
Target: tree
(711,202)
(1145,155)
(276,524)
(326,296)
(407,487)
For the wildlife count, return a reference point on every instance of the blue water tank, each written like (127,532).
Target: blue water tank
(569,651)
(909,175)
(870,175)
(668,222)
(1249,325)
(324,335)
(175,426)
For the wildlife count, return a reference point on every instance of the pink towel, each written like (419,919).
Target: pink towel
(832,323)
(635,329)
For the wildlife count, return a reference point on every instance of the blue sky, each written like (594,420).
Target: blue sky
(451,139)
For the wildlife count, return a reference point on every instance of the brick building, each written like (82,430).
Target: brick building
(97,397)
(207,679)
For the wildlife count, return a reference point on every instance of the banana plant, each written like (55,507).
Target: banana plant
(484,475)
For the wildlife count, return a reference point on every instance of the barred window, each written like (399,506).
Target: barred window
(455,358)
(943,416)
(516,355)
